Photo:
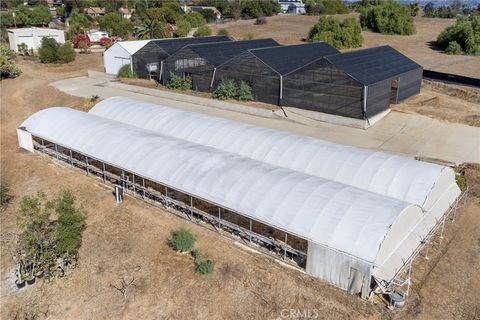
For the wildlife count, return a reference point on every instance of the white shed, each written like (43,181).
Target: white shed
(96,35)
(121,54)
(32,37)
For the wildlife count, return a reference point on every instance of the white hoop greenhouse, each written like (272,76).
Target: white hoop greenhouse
(363,213)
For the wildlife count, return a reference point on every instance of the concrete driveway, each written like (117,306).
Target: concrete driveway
(404,133)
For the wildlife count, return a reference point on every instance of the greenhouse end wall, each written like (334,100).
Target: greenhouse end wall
(187,62)
(265,83)
(149,54)
(323,88)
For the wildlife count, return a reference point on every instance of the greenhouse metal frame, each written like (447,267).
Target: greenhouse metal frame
(357,84)
(265,68)
(201,60)
(147,62)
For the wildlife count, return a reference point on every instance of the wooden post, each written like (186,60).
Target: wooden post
(285,249)
(86,162)
(56,151)
(71,159)
(143,185)
(250,235)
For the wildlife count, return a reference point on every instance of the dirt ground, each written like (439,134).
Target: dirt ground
(290,29)
(130,241)
(445,102)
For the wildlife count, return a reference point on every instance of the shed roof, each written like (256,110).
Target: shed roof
(372,65)
(170,46)
(286,59)
(218,53)
(132,46)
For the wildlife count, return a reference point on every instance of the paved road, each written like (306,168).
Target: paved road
(403,133)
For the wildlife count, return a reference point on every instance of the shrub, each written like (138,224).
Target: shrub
(48,50)
(179,83)
(106,42)
(388,17)
(182,240)
(223,32)
(453,48)
(80,38)
(244,92)
(261,20)
(126,72)
(465,32)
(461,181)
(66,53)
(203,31)
(84,48)
(5,195)
(197,256)
(205,267)
(339,34)
(225,90)
(250,36)
(8,69)
(70,224)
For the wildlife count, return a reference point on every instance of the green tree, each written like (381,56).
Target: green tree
(6,19)
(209,15)
(79,23)
(195,19)
(465,32)
(429,10)
(48,50)
(41,15)
(339,34)
(388,17)
(163,14)
(203,31)
(182,28)
(147,31)
(115,25)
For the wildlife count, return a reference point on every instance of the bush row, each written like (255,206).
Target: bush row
(228,89)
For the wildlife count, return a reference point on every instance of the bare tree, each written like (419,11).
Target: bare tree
(125,286)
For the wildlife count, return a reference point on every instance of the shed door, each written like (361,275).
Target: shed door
(28,40)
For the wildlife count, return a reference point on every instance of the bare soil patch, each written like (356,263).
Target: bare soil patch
(445,102)
(291,29)
(130,241)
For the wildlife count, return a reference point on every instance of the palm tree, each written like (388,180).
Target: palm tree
(147,31)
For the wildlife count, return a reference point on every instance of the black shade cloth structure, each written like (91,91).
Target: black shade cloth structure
(201,60)
(373,65)
(265,68)
(357,84)
(147,62)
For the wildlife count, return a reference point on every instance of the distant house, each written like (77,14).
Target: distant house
(96,35)
(32,37)
(95,12)
(126,13)
(292,6)
(186,9)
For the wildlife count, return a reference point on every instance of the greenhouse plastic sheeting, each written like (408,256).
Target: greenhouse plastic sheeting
(392,175)
(347,219)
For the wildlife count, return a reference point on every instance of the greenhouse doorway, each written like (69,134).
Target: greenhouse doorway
(394,91)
